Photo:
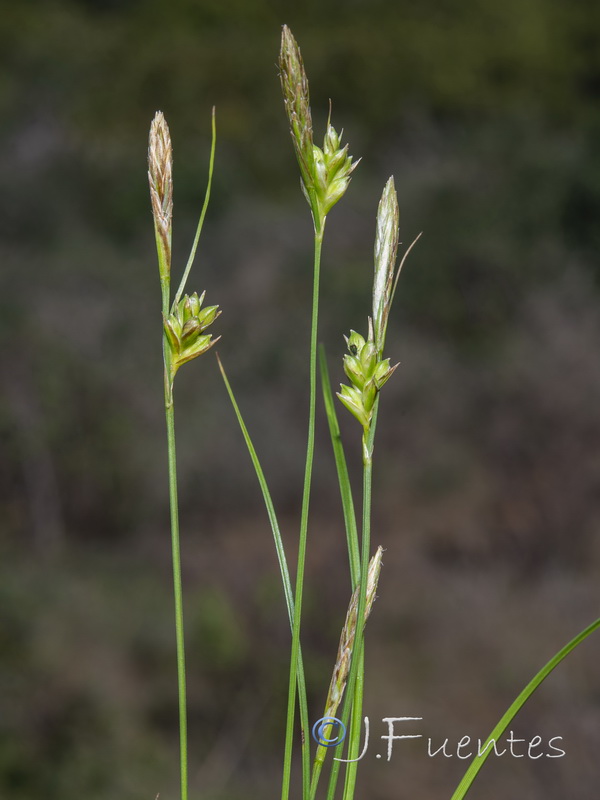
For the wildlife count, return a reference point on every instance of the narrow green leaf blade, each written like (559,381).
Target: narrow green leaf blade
(342,470)
(285,575)
(211,165)
(477,763)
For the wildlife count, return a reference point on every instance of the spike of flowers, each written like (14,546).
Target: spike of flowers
(367,373)
(344,654)
(386,248)
(160,177)
(184,324)
(325,171)
(185,327)
(294,85)
(364,364)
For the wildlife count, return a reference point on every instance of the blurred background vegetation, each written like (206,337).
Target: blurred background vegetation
(487,483)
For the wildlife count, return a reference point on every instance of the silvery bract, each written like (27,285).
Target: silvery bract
(386,248)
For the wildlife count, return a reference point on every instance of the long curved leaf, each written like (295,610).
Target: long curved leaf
(477,763)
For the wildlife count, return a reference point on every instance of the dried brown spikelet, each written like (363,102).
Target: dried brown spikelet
(160,177)
(344,655)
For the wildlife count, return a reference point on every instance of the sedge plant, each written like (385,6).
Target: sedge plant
(325,174)
(184,322)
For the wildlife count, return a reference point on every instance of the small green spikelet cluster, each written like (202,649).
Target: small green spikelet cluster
(325,171)
(367,373)
(331,170)
(184,329)
(364,365)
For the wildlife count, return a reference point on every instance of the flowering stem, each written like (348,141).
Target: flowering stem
(176,554)
(289,734)
(356,681)
(178,595)
(352,709)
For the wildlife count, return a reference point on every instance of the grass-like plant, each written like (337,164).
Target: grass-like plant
(325,176)
(184,323)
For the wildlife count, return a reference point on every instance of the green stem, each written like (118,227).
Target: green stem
(349,522)
(175,548)
(354,688)
(170,414)
(289,733)
(356,680)
(354,691)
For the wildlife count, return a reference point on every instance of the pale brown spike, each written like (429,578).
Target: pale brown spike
(160,177)
(342,663)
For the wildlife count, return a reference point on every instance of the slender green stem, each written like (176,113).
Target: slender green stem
(349,519)
(176,552)
(356,681)
(161,190)
(354,687)
(289,733)
(352,709)
(170,414)
(314,778)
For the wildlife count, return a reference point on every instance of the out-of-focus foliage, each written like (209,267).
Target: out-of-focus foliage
(487,466)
